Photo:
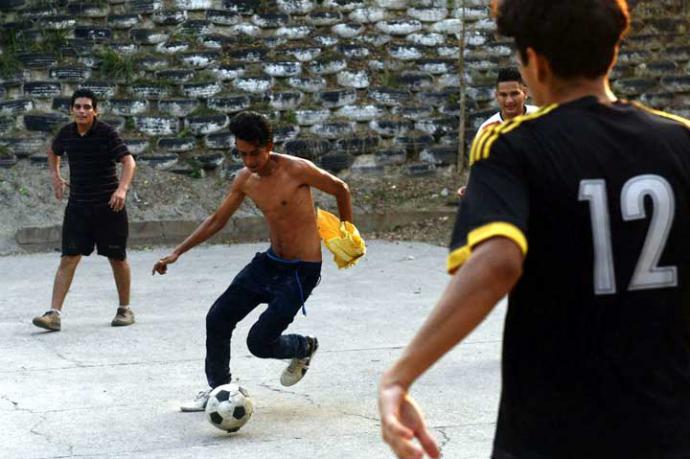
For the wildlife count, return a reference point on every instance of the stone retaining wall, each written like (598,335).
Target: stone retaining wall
(365,86)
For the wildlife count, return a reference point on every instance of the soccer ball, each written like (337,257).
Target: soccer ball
(229,407)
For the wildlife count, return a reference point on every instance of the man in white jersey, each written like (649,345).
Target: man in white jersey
(511,94)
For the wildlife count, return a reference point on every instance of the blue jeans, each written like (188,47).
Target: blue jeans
(285,285)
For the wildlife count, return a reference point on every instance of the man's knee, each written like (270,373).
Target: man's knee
(119,263)
(212,319)
(69,261)
(258,346)
(217,324)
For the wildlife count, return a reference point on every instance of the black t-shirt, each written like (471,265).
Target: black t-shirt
(92,158)
(596,350)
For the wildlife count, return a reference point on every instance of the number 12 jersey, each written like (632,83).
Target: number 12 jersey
(596,350)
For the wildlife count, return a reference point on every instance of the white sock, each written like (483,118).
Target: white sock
(54,310)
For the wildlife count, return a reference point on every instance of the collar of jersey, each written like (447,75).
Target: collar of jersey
(500,114)
(87,133)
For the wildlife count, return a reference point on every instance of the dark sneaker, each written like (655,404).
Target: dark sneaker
(199,402)
(50,321)
(123,317)
(298,367)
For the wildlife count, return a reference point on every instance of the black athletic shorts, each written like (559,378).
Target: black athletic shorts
(86,226)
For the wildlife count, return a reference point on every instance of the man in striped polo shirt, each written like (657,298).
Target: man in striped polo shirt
(95,214)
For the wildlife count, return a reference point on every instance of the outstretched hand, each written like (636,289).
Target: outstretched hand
(161,267)
(401,422)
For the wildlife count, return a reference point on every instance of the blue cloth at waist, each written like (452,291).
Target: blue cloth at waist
(272,255)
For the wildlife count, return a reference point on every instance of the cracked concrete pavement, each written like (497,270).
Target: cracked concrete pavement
(93,391)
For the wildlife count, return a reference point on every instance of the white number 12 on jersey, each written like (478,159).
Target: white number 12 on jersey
(647,274)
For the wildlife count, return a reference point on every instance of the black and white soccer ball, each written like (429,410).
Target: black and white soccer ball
(229,407)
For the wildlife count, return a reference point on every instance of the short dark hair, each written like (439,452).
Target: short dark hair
(577,37)
(84,93)
(509,74)
(252,127)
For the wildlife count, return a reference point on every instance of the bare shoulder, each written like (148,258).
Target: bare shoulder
(291,161)
(294,164)
(240,180)
(307,173)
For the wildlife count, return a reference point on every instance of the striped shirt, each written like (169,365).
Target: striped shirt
(92,158)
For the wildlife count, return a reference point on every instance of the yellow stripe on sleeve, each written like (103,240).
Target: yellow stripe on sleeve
(684,121)
(459,256)
(479,140)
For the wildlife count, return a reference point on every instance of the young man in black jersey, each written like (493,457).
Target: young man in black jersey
(95,214)
(596,349)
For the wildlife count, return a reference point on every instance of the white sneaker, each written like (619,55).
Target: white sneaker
(199,402)
(298,367)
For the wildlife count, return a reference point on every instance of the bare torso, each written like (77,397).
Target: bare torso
(287,204)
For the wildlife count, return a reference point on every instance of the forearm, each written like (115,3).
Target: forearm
(208,228)
(127,175)
(344,200)
(469,297)
(54,165)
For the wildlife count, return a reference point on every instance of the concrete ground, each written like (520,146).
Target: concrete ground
(93,391)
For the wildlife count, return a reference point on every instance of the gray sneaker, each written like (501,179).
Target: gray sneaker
(298,367)
(50,321)
(123,317)
(199,402)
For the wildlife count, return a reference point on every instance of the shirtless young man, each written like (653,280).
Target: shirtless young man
(284,275)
